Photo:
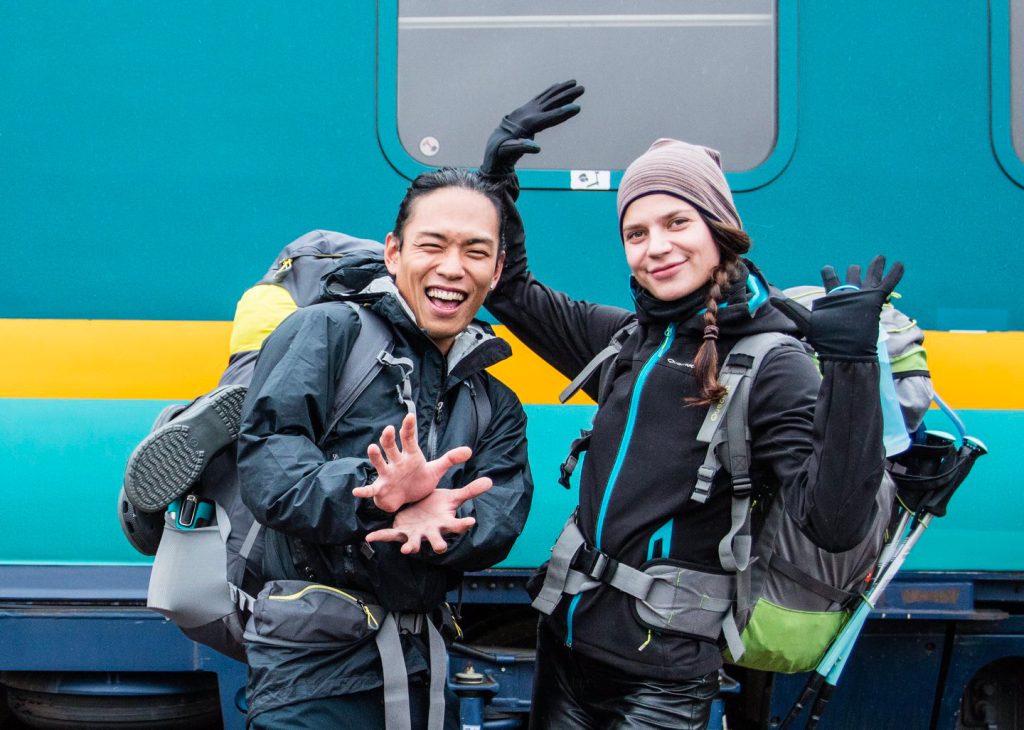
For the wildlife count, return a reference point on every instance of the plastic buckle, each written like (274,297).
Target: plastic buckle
(566,468)
(190,512)
(597,565)
(741,487)
(702,489)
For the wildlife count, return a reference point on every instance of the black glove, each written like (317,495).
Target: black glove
(513,138)
(843,324)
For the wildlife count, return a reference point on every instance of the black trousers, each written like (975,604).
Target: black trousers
(359,711)
(571,691)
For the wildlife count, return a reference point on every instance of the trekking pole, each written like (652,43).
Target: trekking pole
(822,684)
(967,454)
(815,681)
(843,647)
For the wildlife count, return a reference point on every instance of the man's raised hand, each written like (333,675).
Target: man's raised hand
(403,473)
(432,518)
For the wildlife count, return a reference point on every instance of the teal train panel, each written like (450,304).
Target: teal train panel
(63,461)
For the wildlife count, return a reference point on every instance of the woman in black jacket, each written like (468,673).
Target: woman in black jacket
(817,438)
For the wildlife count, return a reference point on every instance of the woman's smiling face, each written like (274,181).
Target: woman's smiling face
(669,247)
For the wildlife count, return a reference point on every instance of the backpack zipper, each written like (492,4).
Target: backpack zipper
(286,264)
(370,620)
(627,435)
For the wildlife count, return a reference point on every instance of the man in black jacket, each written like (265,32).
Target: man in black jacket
(380,515)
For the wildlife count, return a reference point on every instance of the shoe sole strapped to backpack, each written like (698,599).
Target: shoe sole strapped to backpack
(169,461)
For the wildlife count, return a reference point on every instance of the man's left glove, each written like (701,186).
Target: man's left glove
(513,137)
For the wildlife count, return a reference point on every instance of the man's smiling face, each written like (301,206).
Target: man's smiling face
(447,260)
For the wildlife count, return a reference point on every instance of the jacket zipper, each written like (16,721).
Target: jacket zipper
(436,419)
(627,435)
(432,433)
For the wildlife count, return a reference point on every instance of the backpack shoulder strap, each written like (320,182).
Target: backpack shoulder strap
(481,406)
(367,357)
(740,369)
(612,349)
(726,431)
(725,428)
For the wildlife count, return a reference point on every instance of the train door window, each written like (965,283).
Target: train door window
(1017,75)
(1007,69)
(706,71)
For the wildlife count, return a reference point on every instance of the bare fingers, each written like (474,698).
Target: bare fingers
(389,444)
(410,445)
(376,458)
(474,489)
(388,534)
(458,455)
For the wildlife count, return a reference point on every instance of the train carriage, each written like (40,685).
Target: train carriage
(155,156)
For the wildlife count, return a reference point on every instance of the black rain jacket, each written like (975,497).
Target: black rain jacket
(298,481)
(819,440)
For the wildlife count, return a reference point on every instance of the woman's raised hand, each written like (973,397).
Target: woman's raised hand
(513,137)
(843,324)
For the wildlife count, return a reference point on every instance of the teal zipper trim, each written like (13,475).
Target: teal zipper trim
(670,335)
(634,402)
(568,621)
(758,296)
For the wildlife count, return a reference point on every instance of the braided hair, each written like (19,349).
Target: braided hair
(732,243)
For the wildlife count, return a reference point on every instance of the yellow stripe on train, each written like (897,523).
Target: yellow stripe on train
(172,360)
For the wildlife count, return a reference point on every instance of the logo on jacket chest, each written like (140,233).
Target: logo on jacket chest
(672,362)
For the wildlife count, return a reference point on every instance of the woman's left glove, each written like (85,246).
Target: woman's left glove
(513,137)
(843,324)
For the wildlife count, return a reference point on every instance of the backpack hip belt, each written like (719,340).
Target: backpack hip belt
(286,621)
(669,597)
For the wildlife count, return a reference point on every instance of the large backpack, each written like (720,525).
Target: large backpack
(779,599)
(204,578)
(790,596)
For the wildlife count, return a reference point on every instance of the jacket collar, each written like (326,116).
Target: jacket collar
(745,310)
(474,349)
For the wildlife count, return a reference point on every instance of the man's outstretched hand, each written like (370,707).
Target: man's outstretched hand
(403,473)
(432,518)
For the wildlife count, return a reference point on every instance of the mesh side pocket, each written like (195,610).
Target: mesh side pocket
(188,583)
